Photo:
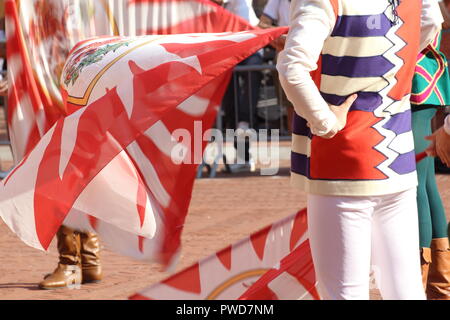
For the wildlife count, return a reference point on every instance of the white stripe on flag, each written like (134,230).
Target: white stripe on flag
(150,175)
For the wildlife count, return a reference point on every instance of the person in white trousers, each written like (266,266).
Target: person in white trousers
(353,150)
(352,236)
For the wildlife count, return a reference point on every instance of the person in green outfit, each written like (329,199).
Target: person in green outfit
(431,90)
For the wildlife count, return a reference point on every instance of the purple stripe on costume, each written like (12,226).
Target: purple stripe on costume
(355,67)
(399,123)
(362,26)
(405,163)
(299,126)
(300,164)
(366,101)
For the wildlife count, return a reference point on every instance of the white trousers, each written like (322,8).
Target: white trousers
(350,236)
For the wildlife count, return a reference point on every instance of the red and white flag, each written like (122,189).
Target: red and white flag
(41,33)
(274,263)
(123,162)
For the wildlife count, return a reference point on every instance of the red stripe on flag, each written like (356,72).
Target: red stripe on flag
(188,281)
(299,228)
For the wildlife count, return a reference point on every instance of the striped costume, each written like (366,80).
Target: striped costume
(370,52)
(360,176)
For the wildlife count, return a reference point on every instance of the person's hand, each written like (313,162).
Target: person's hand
(265,22)
(341,113)
(3,88)
(440,146)
(279,42)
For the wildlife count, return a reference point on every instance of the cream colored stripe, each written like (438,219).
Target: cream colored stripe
(356,47)
(403,143)
(301,144)
(399,106)
(359,8)
(345,86)
(355,188)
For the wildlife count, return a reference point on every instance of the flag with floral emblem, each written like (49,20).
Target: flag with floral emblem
(123,162)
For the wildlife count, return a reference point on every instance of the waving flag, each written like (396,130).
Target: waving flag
(40,34)
(116,164)
(274,263)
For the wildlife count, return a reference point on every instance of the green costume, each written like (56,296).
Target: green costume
(431,89)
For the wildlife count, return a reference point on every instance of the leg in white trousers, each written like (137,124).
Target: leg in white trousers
(349,234)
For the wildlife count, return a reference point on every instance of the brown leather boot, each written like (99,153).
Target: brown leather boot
(90,258)
(68,272)
(425,260)
(439,275)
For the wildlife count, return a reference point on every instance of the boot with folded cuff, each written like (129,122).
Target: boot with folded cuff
(425,261)
(68,272)
(438,287)
(79,260)
(90,257)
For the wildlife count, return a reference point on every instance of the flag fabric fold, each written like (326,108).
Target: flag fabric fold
(98,152)
(110,163)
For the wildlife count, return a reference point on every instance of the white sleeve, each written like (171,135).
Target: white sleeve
(447,124)
(244,9)
(271,9)
(431,22)
(312,21)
